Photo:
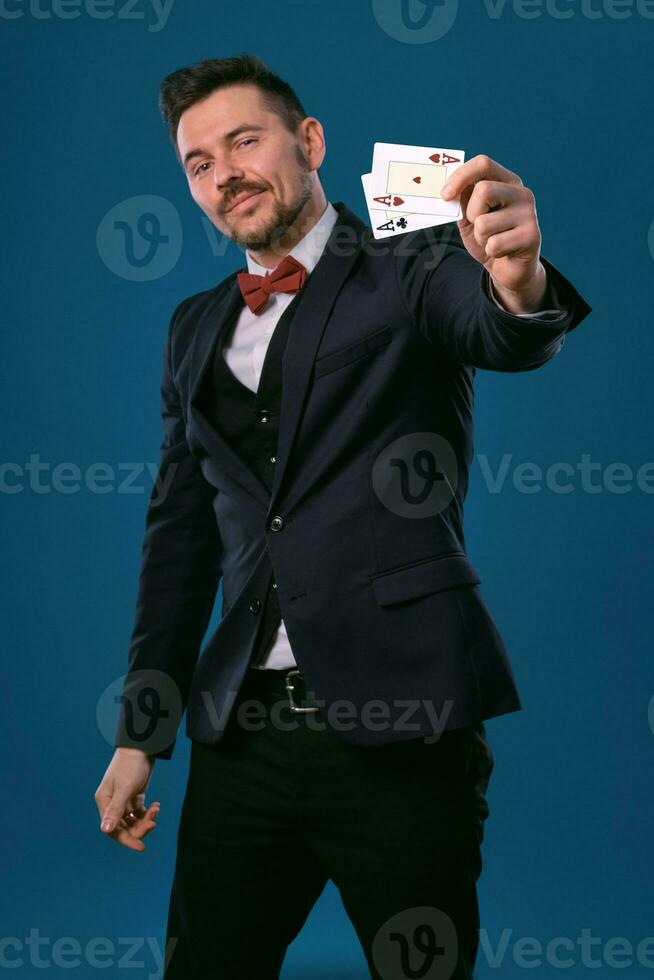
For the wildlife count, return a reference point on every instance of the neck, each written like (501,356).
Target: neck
(309,216)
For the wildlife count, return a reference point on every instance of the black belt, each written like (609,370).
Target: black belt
(289,682)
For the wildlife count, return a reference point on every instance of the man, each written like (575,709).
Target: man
(317,414)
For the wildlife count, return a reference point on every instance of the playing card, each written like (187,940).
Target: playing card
(412,178)
(432,156)
(386,222)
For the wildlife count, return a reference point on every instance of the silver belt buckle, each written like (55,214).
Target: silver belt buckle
(289,690)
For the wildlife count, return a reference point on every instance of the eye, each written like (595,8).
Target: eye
(198,169)
(249,139)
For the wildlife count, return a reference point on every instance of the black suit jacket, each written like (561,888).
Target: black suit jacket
(364,526)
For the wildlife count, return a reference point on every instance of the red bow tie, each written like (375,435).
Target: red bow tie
(289,276)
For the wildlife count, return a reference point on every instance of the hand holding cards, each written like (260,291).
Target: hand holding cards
(403,192)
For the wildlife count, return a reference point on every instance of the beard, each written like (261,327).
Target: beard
(271,231)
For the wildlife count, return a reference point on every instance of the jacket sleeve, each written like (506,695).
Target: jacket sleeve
(446,292)
(179,577)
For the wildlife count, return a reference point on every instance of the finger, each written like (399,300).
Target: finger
(494,222)
(142,829)
(130,835)
(466,194)
(126,838)
(488,195)
(134,810)
(481,167)
(139,819)
(102,799)
(509,243)
(148,817)
(150,813)
(116,806)
(144,826)
(114,812)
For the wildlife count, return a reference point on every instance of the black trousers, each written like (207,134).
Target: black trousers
(283,804)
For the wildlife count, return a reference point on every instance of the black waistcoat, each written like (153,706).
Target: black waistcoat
(249,422)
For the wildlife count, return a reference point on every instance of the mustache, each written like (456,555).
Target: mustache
(242,190)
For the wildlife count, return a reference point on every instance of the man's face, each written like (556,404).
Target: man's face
(233,148)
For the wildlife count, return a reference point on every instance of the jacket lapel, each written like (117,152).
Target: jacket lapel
(234,473)
(305,331)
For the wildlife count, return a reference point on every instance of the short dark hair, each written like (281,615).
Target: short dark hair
(183,88)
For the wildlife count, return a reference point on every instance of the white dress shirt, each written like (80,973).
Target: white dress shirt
(247,351)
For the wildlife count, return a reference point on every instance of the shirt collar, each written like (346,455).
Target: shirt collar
(310,248)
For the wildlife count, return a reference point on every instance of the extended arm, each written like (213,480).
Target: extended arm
(447,293)
(479,289)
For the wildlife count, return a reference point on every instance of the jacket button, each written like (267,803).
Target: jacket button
(255,606)
(277,524)
(274,585)
(264,415)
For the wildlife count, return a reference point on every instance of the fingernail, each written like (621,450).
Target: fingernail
(107,824)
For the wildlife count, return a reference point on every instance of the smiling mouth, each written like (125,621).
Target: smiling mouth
(242,205)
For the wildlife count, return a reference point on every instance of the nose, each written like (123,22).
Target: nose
(226,174)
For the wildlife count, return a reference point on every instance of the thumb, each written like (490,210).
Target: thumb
(114,811)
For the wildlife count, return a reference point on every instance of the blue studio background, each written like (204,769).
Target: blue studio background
(561,94)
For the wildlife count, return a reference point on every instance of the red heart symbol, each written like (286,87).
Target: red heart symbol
(436,157)
(397,201)
(417,180)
